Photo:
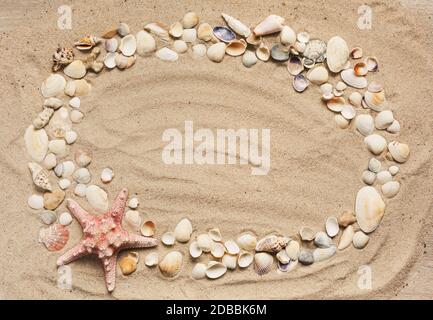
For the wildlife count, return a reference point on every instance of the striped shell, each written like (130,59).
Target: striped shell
(54,237)
(263,263)
(272,244)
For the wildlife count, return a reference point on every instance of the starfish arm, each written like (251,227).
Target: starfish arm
(72,254)
(136,241)
(109,265)
(79,213)
(118,208)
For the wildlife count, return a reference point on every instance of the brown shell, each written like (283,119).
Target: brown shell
(272,244)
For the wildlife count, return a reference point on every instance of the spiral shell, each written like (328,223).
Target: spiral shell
(272,244)
(40,176)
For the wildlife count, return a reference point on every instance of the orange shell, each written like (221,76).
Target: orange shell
(54,237)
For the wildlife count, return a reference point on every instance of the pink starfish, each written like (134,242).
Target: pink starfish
(103,235)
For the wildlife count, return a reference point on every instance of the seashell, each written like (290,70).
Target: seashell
(368,177)
(399,151)
(128,263)
(166,54)
(295,66)
(80,190)
(62,57)
(123,29)
(263,263)
(384,119)
(40,176)
(375,100)
(199,271)
(215,270)
(351,79)
(360,240)
(375,143)
(237,26)
(205,32)
(288,266)
(133,220)
(68,169)
(82,87)
(336,104)
(300,83)
(287,36)
(87,43)
(35,202)
(299,47)
(48,217)
(321,254)
(110,33)
(216,52)
(76,116)
(292,250)
(306,257)
(215,234)
(230,261)
(232,247)
(346,238)
(348,112)
(390,189)
(326,90)
(107,175)
(64,184)
(340,86)
(369,208)
(280,53)
(189,35)
(322,240)
(318,75)
(224,34)
(70,88)
(394,127)
(110,60)
(58,147)
(128,45)
(356,53)
(75,70)
(337,54)
(346,218)
(148,228)
(53,103)
(65,219)
(54,237)
(315,50)
(158,29)
(303,37)
(307,234)
(383,177)
(53,199)
(372,64)
(60,123)
(194,250)
(360,69)
(218,250)
(180,46)
(133,203)
(236,47)
(332,227)
(83,157)
(374,165)
(121,61)
(253,40)
(145,43)
(204,242)
(355,99)
(171,264)
(249,59)
(183,230)
(50,161)
(53,86)
(190,20)
(283,257)
(245,259)
(272,244)
(111,45)
(151,259)
(176,30)
(247,241)
(43,118)
(271,24)
(393,170)
(364,124)
(97,198)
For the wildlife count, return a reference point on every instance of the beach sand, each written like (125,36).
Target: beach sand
(315,167)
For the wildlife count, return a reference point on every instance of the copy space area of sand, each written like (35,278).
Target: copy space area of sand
(315,167)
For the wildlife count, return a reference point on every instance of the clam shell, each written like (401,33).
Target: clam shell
(351,79)
(369,208)
(50,161)
(368,177)
(183,230)
(145,43)
(111,45)
(216,52)
(295,66)
(253,40)
(158,29)
(215,234)
(35,202)
(121,61)
(307,234)
(383,177)
(60,123)
(54,103)
(375,143)
(355,99)
(75,70)
(53,86)
(128,45)
(133,220)
(237,26)
(83,157)
(390,189)
(128,263)
(249,59)
(306,257)
(263,263)
(269,25)
(287,36)
(300,83)
(82,87)
(288,266)
(356,53)
(346,218)
(360,240)
(36,142)
(375,100)
(82,175)
(194,250)
(43,118)
(236,47)
(360,69)
(48,217)
(394,127)
(322,240)
(148,228)
(167,54)
(199,271)
(280,53)
(399,151)
(54,237)
(292,250)
(168,238)
(40,176)
(190,20)
(224,34)
(337,54)
(97,198)
(394,170)
(336,104)
(372,64)
(110,60)
(230,261)
(364,124)
(80,190)
(215,270)
(231,247)
(321,254)
(283,257)
(332,227)
(218,250)
(123,29)
(205,242)
(272,244)
(247,241)
(346,238)
(348,112)
(245,259)
(151,259)
(189,35)
(176,30)
(374,165)
(180,46)
(205,32)
(318,75)
(171,264)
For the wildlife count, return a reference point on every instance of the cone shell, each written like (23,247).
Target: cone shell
(263,263)
(40,176)
(237,26)
(128,263)
(272,244)
(346,238)
(54,237)
(171,264)
(271,24)
(369,208)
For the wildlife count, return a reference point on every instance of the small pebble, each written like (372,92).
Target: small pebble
(70,137)
(306,257)
(36,202)
(65,219)
(133,203)
(394,170)
(75,103)
(48,217)
(383,177)
(107,175)
(53,199)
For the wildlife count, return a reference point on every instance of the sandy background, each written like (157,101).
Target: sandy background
(315,167)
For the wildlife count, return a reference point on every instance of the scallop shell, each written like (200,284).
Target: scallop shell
(128,45)
(215,234)
(230,261)
(176,30)
(36,142)
(287,36)
(194,250)
(168,238)
(247,241)
(128,263)
(53,86)
(351,79)
(148,228)
(321,254)
(215,270)
(158,29)
(97,198)
(346,238)
(216,52)
(183,230)
(224,34)
(237,26)
(171,264)
(390,189)
(263,263)
(369,208)
(151,259)
(245,259)
(269,25)
(337,54)
(315,50)
(54,237)
(318,75)
(295,66)
(364,124)
(236,47)
(272,244)
(300,83)
(204,242)
(332,227)
(232,247)
(87,43)
(372,64)
(218,250)
(199,271)
(280,53)
(145,43)
(360,240)
(399,151)
(307,234)
(375,143)
(40,176)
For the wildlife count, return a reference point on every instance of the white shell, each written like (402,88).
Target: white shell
(283,257)
(245,259)
(287,36)
(394,127)
(249,59)
(346,238)
(133,220)
(68,168)
(292,250)
(384,119)
(306,233)
(375,143)
(390,189)
(263,263)
(36,142)
(368,177)
(110,60)
(123,29)
(43,118)
(318,75)
(190,20)
(71,136)
(176,30)
(322,240)
(375,100)
(35,202)
(53,103)
(83,157)
(236,47)
(151,259)
(80,190)
(64,184)
(393,170)
(336,104)
(133,203)
(97,198)
(128,45)
(199,271)
(204,242)
(332,227)
(58,147)
(360,240)
(341,122)
(321,254)
(50,161)
(189,35)
(65,219)
(171,264)
(168,238)
(166,54)
(82,175)
(399,151)
(374,165)
(369,209)
(218,250)
(53,86)
(232,247)
(215,234)
(215,270)
(194,250)
(355,98)
(349,77)
(364,124)
(348,112)
(199,50)
(145,43)
(383,177)
(230,261)
(111,45)
(180,46)
(271,24)
(107,175)
(337,54)
(76,116)
(183,230)
(75,70)
(247,241)
(158,29)
(237,26)
(216,52)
